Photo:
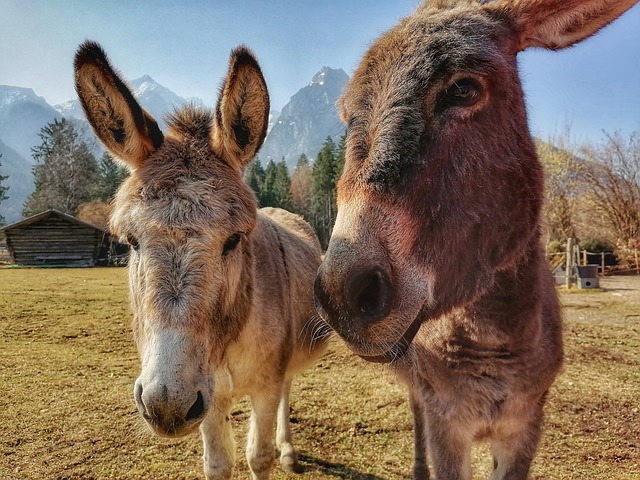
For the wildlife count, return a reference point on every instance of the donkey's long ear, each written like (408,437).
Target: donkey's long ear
(242,111)
(124,127)
(558,24)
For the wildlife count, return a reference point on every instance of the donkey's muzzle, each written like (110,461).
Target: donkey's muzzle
(351,305)
(367,296)
(166,414)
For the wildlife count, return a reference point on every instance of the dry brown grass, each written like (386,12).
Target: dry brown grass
(67,365)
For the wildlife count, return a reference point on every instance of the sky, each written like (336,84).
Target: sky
(185,46)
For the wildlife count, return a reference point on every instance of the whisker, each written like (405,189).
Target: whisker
(316,330)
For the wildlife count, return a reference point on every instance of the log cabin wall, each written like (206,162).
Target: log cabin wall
(55,238)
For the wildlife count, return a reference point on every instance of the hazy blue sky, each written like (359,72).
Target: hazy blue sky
(185,47)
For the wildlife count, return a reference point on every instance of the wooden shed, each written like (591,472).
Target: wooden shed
(55,238)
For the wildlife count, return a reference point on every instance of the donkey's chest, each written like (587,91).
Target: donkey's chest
(471,381)
(256,359)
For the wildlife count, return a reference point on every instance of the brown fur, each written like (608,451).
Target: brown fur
(435,263)
(220,292)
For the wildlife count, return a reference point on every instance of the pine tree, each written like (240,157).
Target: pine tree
(267,194)
(324,186)
(341,155)
(282,186)
(111,175)
(66,172)
(303,161)
(276,188)
(3,192)
(254,176)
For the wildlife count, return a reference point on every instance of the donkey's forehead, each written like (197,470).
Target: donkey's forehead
(430,45)
(389,102)
(212,204)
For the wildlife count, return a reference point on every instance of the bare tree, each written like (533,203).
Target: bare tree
(96,212)
(562,185)
(302,187)
(613,180)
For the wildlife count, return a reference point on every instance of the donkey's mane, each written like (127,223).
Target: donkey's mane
(444,4)
(190,121)
(178,172)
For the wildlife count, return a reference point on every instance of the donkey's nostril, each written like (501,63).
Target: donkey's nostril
(368,299)
(197,409)
(137,395)
(368,295)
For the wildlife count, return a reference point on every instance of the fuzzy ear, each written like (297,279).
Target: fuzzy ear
(124,127)
(242,112)
(557,24)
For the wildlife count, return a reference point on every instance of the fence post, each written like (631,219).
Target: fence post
(569,266)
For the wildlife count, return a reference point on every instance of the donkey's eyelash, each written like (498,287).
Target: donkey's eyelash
(132,242)
(231,243)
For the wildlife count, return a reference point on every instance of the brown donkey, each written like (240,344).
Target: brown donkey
(435,263)
(220,292)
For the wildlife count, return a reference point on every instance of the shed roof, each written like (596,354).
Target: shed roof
(49,213)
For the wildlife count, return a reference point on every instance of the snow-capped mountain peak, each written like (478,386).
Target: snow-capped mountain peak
(329,75)
(319,78)
(10,95)
(146,84)
(305,122)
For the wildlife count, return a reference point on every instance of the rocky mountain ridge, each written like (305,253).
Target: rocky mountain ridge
(301,127)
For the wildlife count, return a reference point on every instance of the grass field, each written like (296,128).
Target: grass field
(67,366)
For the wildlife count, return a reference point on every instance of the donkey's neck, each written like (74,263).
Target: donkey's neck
(516,297)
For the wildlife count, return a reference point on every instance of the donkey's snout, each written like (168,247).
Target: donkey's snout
(197,409)
(367,295)
(321,296)
(361,299)
(169,415)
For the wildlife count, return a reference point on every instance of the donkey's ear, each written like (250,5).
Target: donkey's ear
(558,24)
(242,111)
(124,127)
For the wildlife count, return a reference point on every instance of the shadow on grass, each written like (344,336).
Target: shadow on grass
(335,470)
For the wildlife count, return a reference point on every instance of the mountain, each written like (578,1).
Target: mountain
(307,120)
(22,115)
(155,99)
(273,116)
(301,127)
(71,109)
(19,181)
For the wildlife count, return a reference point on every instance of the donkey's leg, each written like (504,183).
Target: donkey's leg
(420,467)
(514,451)
(449,446)
(260,448)
(288,457)
(217,439)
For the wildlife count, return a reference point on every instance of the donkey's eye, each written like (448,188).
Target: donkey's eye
(464,92)
(231,243)
(133,242)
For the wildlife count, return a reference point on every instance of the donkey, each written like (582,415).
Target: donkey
(435,264)
(220,291)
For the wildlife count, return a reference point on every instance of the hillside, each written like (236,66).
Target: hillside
(20,182)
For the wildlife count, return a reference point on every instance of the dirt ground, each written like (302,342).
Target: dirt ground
(67,366)
(625,288)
